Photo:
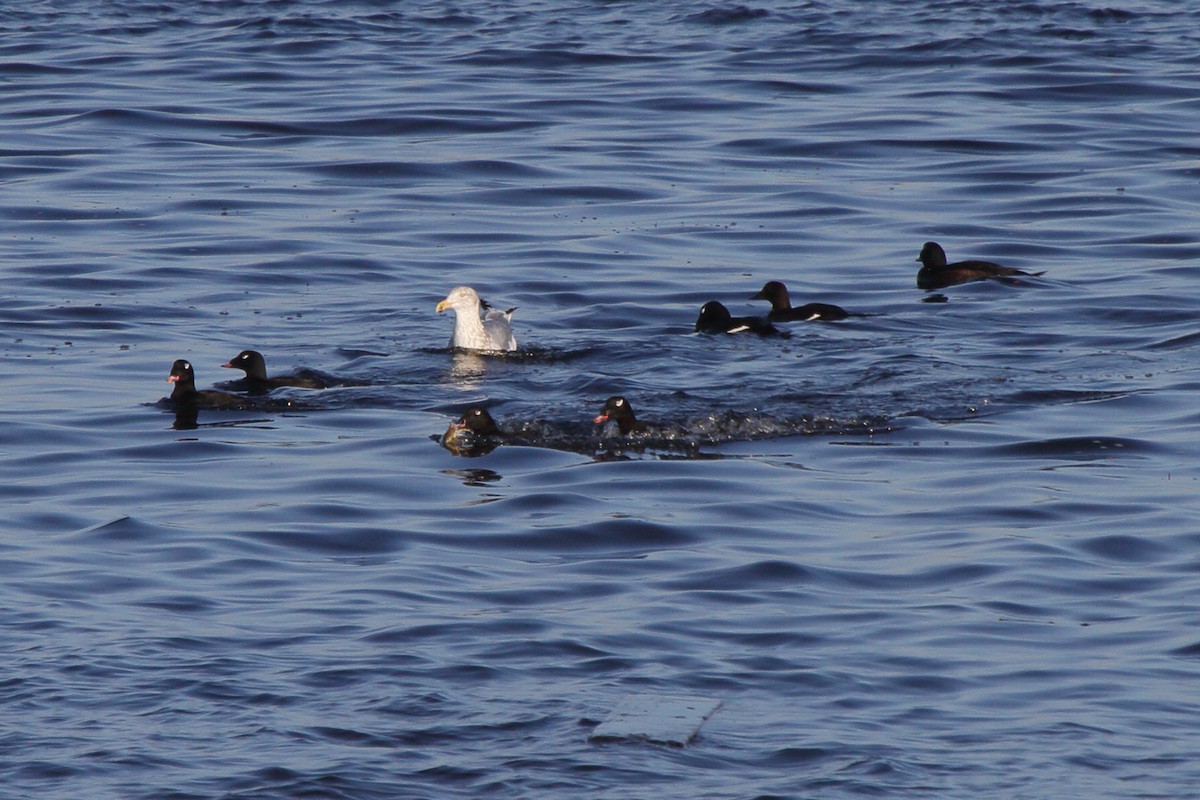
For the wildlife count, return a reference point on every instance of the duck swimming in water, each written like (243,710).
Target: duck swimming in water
(256,381)
(935,273)
(618,410)
(474,433)
(782,311)
(185,394)
(715,318)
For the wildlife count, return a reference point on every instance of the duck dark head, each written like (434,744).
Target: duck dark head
(776,293)
(714,316)
(475,433)
(184,378)
(617,409)
(932,255)
(478,421)
(251,362)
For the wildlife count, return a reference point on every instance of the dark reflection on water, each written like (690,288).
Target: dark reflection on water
(186,418)
(475,477)
(986,590)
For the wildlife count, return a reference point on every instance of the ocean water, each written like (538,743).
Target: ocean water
(945,547)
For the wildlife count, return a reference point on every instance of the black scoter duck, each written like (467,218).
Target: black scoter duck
(935,273)
(715,318)
(781,306)
(617,409)
(474,433)
(256,380)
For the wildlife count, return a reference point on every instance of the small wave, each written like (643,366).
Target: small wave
(351,541)
(539,196)
(663,440)
(761,575)
(1125,548)
(1079,447)
(1049,397)
(1187,340)
(195,120)
(390,172)
(621,534)
(28,68)
(1187,651)
(727,15)
(550,58)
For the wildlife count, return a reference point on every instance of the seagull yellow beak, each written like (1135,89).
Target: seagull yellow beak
(442,306)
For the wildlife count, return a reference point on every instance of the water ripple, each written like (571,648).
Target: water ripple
(943,547)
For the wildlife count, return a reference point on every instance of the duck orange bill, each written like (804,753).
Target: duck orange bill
(227,364)
(601,418)
(172,378)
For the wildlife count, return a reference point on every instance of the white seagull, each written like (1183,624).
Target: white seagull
(492,332)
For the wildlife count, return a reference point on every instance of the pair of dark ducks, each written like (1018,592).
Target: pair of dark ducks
(715,317)
(478,428)
(256,382)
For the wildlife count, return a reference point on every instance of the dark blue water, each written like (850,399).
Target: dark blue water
(941,549)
